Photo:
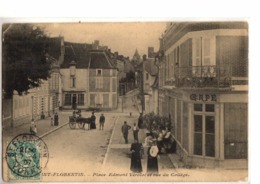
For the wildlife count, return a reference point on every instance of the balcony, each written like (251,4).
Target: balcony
(203,76)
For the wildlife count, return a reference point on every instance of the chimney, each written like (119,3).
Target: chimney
(144,57)
(116,55)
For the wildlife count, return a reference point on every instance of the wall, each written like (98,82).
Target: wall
(81,79)
(22,109)
(236,128)
(233,50)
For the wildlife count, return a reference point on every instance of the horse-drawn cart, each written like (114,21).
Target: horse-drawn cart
(73,121)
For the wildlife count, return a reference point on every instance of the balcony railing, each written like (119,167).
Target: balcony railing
(203,76)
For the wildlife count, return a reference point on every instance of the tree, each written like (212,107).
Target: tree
(25,62)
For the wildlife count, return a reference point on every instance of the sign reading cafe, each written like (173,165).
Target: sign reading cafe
(204,97)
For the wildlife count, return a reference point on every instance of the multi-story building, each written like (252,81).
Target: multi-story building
(150,77)
(89,78)
(203,87)
(44,99)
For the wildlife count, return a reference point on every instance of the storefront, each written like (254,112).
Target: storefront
(74,100)
(210,127)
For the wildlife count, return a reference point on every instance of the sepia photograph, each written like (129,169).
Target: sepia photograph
(155,101)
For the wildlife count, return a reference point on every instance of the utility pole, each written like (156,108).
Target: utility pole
(122,89)
(142,83)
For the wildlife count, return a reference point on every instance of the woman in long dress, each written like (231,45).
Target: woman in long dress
(93,121)
(136,165)
(152,161)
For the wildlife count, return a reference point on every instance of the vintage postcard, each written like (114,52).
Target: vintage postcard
(125,101)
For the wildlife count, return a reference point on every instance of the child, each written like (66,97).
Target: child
(52,122)
(33,129)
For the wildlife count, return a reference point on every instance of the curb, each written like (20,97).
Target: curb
(110,141)
(53,130)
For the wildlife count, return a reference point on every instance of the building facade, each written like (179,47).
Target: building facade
(203,87)
(89,79)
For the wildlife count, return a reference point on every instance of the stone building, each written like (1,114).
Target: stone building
(203,87)
(89,78)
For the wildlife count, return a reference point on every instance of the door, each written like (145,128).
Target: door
(74,101)
(204,130)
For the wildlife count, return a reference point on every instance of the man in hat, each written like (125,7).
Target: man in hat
(125,128)
(101,122)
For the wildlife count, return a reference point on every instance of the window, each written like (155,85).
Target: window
(80,99)
(73,82)
(204,130)
(202,48)
(99,100)
(99,72)
(99,83)
(147,76)
(67,99)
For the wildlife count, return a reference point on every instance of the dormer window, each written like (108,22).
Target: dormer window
(99,72)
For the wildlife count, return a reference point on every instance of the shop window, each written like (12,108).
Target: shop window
(210,136)
(67,99)
(197,134)
(210,107)
(204,130)
(198,107)
(80,99)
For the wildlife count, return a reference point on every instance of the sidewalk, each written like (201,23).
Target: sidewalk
(118,153)
(43,128)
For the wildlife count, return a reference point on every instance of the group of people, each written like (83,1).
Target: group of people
(162,138)
(77,114)
(137,150)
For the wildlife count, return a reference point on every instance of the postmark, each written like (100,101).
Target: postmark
(26,156)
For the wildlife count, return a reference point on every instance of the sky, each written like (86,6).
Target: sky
(124,38)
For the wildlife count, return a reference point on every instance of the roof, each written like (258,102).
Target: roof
(54,47)
(178,30)
(99,60)
(85,57)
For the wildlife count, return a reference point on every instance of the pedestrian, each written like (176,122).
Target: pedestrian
(93,121)
(125,128)
(52,122)
(136,164)
(135,132)
(79,113)
(33,128)
(101,122)
(140,121)
(56,119)
(152,160)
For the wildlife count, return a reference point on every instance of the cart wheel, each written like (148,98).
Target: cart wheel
(81,125)
(72,123)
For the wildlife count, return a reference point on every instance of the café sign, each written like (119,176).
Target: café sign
(204,97)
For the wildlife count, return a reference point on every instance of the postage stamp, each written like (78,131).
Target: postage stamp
(26,155)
